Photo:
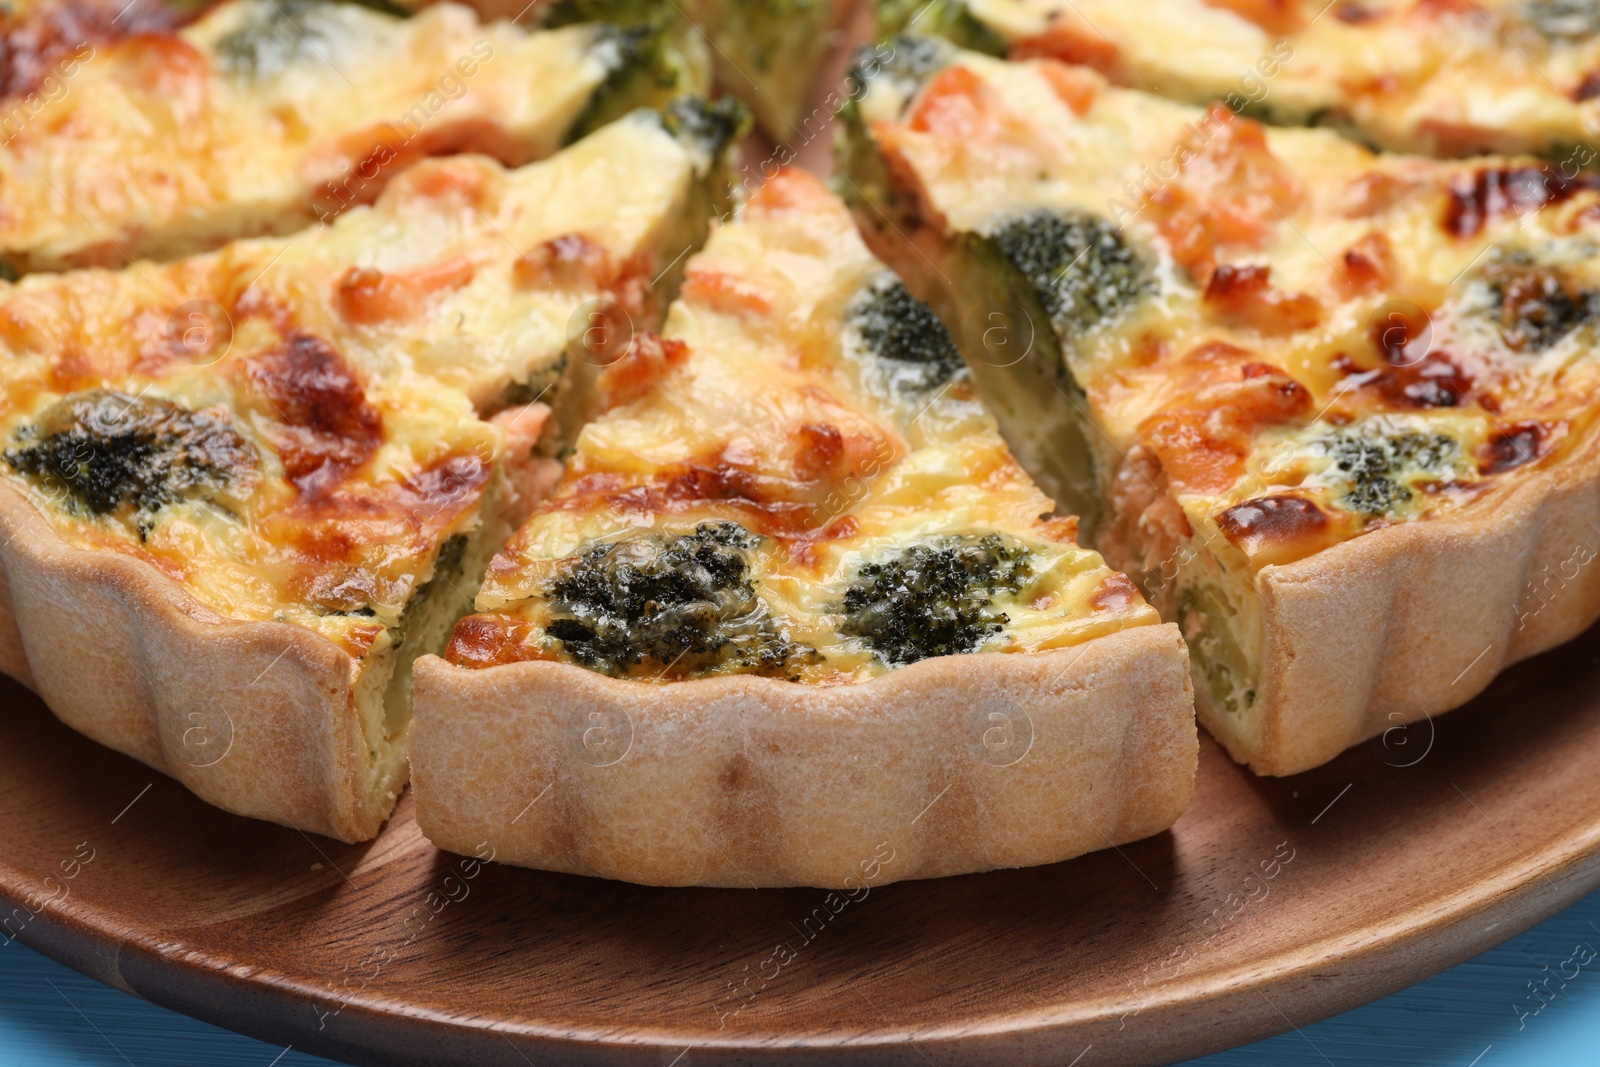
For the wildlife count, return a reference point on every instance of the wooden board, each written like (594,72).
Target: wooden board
(1274,902)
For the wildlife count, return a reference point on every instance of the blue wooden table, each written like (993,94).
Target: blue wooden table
(1481,1014)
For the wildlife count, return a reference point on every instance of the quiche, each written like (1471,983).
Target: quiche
(794,601)
(241,492)
(1335,410)
(1442,77)
(766,52)
(151,131)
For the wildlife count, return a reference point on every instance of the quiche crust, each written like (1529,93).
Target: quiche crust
(261,698)
(1405,619)
(684,681)
(257,718)
(1415,619)
(956,763)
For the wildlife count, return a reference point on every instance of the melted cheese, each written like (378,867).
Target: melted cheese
(1357,248)
(765,408)
(360,361)
(1326,341)
(261,117)
(1435,76)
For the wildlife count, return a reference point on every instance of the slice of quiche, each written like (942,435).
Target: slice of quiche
(766,52)
(241,492)
(137,130)
(1444,77)
(794,602)
(1335,410)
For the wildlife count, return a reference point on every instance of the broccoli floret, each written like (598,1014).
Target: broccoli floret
(381,6)
(1537,306)
(907,60)
(646,66)
(1563,20)
(708,125)
(1082,269)
(115,454)
(273,37)
(686,601)
(759,32)
(1434,453)
(1374,465)
(623,48)
(914,348)
(1368,464)
(935,599)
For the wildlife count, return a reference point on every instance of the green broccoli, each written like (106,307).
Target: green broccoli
(1563,20)
(914,347)
(1374,464)
(1537,305)
(907,60)
(708,125)
(1082,269)
(686,601)
(935,599)
(127,456)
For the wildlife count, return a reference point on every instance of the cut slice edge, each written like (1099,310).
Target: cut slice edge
(266,718)
(947,766)
(482,93)
(758,779)
(1298,662)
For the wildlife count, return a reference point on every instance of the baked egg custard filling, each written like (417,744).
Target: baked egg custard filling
(173,128)
(1233,347)
(338,430)
(795,479)
(1447,79)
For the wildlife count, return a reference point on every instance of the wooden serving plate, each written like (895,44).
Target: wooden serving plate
(1273,903)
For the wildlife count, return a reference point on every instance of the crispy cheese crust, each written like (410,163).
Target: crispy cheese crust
(310,446)
(162,134)
(1295,365)
(1440,77)
(791,521)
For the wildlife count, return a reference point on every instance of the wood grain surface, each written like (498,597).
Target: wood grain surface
(1271,900)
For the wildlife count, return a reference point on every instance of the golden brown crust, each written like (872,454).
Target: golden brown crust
(257,718)
(1384,629)
(1415,619)
(951,765)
